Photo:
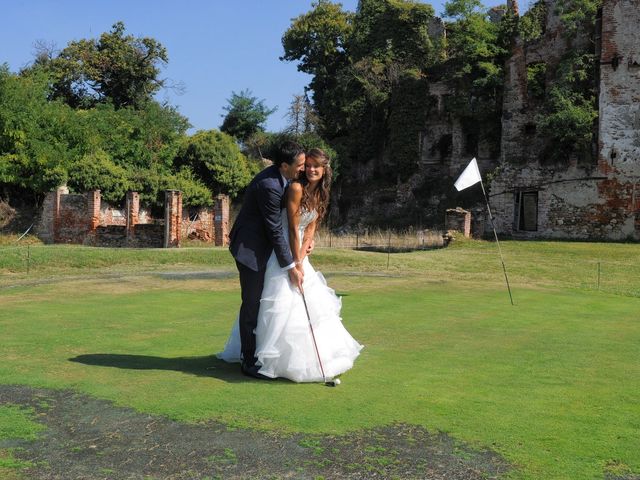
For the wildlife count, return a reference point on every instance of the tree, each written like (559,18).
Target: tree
(269,143)
(97,171)
(245,116)
(475,54)
(317,40)
(117,68)
(578,15)
(38,139)
(44,144)
(216,160)
(302,116)
(395,30)
(358,62)
(476,51)
(570,109)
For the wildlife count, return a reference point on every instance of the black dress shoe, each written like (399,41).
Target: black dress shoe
(252,371)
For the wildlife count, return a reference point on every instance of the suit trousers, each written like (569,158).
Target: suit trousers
(251,284)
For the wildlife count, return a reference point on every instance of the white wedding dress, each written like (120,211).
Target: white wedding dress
(284,344)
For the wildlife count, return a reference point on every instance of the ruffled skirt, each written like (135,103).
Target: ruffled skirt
(284,340)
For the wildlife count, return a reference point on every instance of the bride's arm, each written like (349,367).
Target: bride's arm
(309,234)
(294,197)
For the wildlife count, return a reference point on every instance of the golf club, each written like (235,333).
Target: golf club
(328,383)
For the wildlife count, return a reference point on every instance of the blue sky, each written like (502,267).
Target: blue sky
(214,46)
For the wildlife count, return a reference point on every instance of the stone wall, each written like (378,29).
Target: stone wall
(109,236)
(147,235)
(580,200)
(539,202)
(619,123)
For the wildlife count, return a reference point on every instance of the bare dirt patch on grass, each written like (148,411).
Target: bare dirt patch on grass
(90,438)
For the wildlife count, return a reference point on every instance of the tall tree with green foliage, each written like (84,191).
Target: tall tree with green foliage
(317,41)
(358,63)
(117,68)
(474,53)
(45,144)
(38,139)
(245,116)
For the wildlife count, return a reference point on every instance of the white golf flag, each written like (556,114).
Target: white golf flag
(470,176)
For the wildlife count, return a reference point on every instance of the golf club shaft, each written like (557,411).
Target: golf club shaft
(306,309)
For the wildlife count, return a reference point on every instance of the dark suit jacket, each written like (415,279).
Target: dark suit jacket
(258,229)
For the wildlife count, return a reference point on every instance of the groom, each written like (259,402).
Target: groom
(256,233)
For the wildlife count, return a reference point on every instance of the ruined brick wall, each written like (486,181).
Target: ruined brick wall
(85,219)
(147,235)
(172,218)
(130,226)
(64,217)
(459,220)
(222,220)
(109,236)
(110,215)
(198,224)
(44,227)
(72,222)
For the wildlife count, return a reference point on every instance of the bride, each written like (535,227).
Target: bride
(285,343)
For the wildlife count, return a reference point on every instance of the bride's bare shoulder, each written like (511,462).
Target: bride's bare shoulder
(294,192)
(295,187)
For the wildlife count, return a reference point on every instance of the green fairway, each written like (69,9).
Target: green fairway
(550,383)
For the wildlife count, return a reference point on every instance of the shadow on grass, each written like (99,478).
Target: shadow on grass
(208,366)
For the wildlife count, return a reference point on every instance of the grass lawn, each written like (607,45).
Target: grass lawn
(550,383)
(15,423)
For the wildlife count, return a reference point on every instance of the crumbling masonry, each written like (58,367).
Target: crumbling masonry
(597,199)
(85,219)
(593,195)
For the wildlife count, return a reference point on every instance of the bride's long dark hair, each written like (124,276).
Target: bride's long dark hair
(317,198)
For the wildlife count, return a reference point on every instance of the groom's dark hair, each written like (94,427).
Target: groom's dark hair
(286,153)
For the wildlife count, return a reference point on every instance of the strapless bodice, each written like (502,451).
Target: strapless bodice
(306,218)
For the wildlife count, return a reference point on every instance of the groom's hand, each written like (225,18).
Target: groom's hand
(296,276)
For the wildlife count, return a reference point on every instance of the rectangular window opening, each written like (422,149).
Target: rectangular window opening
(526,211)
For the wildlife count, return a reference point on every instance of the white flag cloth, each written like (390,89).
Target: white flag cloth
(470,176)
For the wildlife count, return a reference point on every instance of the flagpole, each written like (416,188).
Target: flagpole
(504,269)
